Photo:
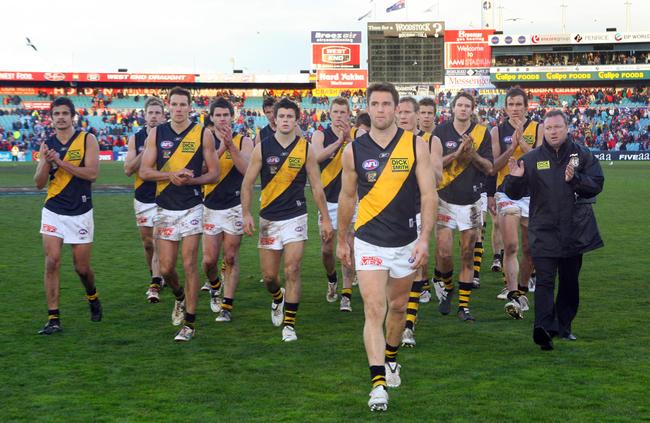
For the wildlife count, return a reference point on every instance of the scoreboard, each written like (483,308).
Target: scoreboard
(406,52)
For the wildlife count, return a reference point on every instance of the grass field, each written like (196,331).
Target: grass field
(127,368)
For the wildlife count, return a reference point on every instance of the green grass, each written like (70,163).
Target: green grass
(21,174)
(127,368)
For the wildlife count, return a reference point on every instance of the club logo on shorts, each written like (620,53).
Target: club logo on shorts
(411,260)
(238,223)
(272,160)
(370,164)
(443,218)
(194,222)
(574,160)
(267,240)
(451,145)
(300,229)
(83,231)
(371,176)
(165,231)
(167,144)
(371,261)
(48,228)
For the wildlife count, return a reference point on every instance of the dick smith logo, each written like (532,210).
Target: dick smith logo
(400,164)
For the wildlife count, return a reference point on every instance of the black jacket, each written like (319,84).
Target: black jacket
(561,222)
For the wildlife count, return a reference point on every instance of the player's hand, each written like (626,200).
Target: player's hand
(225,135)
(419,255)
(345,131)
(569,172)
(326,229)
(343,254)
(249,225)
(517,137)
(516,167)
(492,206)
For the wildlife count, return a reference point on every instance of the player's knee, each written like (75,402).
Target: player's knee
(374,312)
(397,306)
(209,261)
(229,258)
(52,263)
(510,248)
(83,270)
(292,271)
(467,254)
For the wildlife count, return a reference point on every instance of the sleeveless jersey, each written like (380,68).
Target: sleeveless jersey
(266,132)
(145,191)
(67,194)
(506,131)
(283,178)
(332,167)
(462,182)
(225,193)
(387,189)
(175,152)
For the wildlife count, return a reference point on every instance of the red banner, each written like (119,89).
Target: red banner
(97,77)
(468,49)
(342,79)
(328,56)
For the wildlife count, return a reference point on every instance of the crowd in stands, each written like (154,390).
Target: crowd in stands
(572,59)
(598,120)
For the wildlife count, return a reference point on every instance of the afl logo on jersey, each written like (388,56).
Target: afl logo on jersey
(273,160)
(370,164)
(166,144)
(507,140)
(451,145)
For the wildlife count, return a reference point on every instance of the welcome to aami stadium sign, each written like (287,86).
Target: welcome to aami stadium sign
(569,74)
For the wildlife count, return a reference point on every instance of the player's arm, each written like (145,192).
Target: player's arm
(254,168)
(90,169)
(313,173)
(540,135)
(428,203)
(211,162)
(133,158)
(240,158)
(42,173)
(347,198)
(436,159)
(481,158)
(257,139)
(147,170)
(500,159)
(323,153)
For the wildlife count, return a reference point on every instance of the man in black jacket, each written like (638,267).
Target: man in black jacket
(564,179)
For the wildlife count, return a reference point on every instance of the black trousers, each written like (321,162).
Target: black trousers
(556,315)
